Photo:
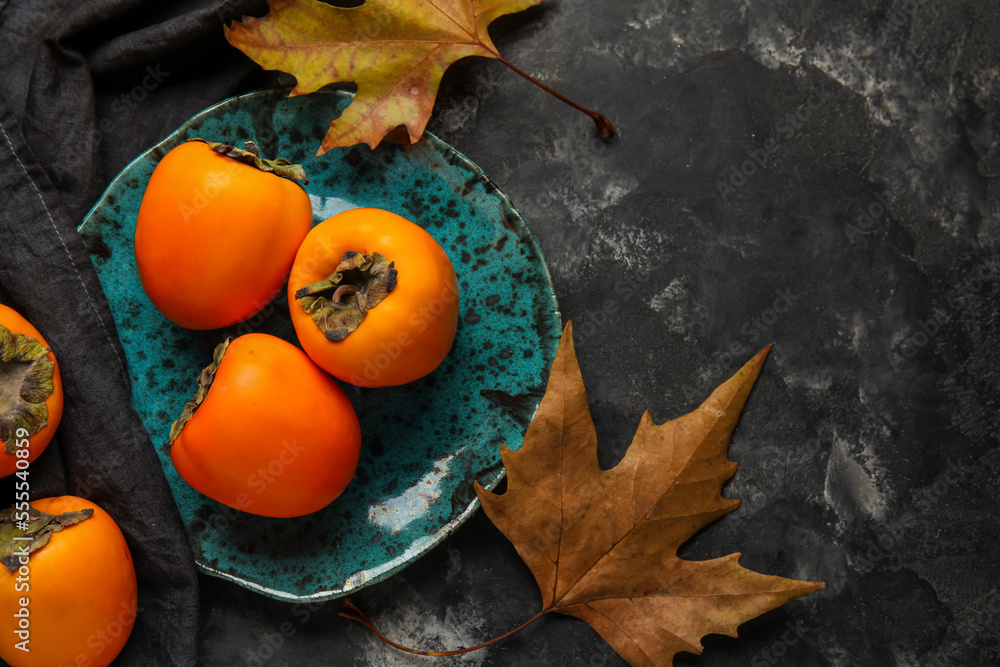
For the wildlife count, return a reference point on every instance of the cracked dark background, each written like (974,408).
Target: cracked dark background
(868,451)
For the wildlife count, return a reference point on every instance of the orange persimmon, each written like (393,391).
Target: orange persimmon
(31,393)
(373,298)
(217,232)
(268,432)
(74,599)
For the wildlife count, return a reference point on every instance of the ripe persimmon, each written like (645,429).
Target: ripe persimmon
(268,432)
(373,298)
(73,599)
(31,393)
(217,232)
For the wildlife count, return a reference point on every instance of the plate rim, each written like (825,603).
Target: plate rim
(447,529)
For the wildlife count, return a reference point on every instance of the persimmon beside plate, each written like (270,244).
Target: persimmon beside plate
(423,444)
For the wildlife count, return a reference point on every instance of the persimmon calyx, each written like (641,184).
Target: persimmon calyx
(205,380)
(20,537)
(340,302)
(25,383)
(251,156)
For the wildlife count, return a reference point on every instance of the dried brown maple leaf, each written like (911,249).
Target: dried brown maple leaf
(396,52)
(603,544)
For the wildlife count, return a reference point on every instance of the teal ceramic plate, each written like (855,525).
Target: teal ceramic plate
(423,443)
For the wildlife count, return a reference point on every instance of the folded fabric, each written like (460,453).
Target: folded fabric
(86,88)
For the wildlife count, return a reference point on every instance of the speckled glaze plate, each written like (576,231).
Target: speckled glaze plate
(423,443)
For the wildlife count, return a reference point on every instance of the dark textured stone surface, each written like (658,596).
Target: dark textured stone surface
(868,450)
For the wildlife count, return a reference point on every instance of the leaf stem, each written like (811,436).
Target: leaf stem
(353,612)
(605,127)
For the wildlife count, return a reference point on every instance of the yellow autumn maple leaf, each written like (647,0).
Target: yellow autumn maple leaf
(395,51)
